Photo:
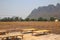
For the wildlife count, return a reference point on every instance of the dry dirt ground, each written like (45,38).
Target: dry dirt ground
(53,26)
(42,37)
(29,36)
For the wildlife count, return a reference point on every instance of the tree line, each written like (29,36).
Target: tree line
(11,19)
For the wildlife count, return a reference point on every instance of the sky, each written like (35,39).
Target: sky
(22,8)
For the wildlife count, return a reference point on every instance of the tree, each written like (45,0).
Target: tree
(59,19)
(16,19)
(52,19)
(4,19)
(12,19)
(27,19)
(33,20)
(45,19)
(8,19)
(21,19)
(40,19)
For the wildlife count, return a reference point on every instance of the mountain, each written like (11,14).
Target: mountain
(46,12)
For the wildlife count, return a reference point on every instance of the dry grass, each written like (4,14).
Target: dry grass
(54,26)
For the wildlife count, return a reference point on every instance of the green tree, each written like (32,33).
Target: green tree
(21,19)
(16,19)
(45,19)
(52,19)
(33,20)
(27,19)
(12,19)
(59,19)
(4,19)
(40,19)
(8,19)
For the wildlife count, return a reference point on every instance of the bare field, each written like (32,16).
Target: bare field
(54,26)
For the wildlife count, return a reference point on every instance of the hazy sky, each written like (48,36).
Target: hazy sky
(22,8)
